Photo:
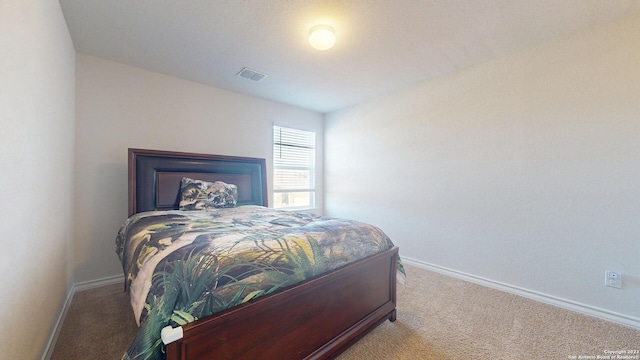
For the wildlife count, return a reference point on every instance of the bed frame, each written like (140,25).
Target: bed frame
(324,315)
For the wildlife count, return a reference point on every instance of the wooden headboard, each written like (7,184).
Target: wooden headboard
(154,177)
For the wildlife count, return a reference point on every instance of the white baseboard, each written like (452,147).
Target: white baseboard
(58,325)
(65,308)
(603,314)
(86,285)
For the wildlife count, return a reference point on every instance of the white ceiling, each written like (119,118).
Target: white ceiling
(382,44)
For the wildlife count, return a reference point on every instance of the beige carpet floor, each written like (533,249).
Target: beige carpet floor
(439,317)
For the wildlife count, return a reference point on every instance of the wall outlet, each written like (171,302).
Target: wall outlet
(613,279)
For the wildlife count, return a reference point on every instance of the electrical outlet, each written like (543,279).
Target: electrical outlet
(613,279)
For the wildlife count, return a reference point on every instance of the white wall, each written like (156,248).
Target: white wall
(119,107)
(524,171)
(37,65)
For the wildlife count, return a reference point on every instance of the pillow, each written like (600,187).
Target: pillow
(200,194)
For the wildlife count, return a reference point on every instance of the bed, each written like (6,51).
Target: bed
(315,318)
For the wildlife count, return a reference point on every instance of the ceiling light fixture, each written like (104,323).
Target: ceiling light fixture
(322,37)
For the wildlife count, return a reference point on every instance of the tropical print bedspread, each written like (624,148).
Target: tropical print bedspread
(183,265)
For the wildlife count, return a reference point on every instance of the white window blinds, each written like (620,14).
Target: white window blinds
(294,154)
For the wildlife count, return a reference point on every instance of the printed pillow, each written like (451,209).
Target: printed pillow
(200,194)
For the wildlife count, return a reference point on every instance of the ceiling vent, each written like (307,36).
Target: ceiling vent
(251,74)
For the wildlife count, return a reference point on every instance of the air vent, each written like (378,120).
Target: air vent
(252,74)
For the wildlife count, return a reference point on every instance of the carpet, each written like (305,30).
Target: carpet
(439,317)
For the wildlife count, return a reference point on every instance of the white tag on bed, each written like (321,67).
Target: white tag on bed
(169,334)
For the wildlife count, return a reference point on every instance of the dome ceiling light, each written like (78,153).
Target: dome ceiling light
(322,37)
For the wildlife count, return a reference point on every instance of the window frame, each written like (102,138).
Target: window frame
(310,166)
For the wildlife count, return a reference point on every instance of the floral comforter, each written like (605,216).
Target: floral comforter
(183,265)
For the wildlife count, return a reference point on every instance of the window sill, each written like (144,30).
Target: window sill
(310,210)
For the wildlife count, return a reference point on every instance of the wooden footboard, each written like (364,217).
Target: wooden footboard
(317,319)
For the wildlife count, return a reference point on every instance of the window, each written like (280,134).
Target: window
(294,155)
